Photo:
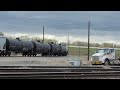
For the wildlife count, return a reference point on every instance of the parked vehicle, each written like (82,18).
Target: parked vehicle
(106,56)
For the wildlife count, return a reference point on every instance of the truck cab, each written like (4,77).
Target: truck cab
(103,55)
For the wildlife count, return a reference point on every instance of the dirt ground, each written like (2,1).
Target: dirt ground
(84,60)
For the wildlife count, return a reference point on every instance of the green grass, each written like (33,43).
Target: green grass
(83,51)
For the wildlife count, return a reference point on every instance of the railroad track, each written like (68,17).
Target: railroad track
(61,72)
(59,75)
(50,67)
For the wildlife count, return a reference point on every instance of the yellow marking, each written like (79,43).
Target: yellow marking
(96,62)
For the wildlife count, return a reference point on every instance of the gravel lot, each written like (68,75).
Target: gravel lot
(38,61)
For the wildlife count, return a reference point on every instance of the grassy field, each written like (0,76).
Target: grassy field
(83,51)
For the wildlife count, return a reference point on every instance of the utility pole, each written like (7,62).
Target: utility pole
(79,48)
(88,39)
(55,38)
(43,34)
(68,43)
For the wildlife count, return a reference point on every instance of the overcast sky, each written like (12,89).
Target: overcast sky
(105,25)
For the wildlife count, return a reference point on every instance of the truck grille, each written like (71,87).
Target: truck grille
(95,58)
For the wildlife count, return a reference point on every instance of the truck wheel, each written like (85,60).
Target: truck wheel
(107,63)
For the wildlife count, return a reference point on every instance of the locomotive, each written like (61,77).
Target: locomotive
(30,48)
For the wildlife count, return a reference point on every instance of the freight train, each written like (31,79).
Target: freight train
(30,48)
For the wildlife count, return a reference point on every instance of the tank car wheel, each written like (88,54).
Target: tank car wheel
(58,54)
(46,54)
(33,55)
(23,54)
(64,54)
(9,54)
(42,54)
(50,55)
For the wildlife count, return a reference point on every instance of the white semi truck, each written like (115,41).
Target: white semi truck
(106,56)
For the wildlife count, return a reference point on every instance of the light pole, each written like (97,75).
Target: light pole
(68,43)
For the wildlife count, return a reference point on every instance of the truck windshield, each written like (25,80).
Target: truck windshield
(2,43)
(103,51)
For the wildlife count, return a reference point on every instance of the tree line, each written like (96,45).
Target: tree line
(75,43)
(81,43)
